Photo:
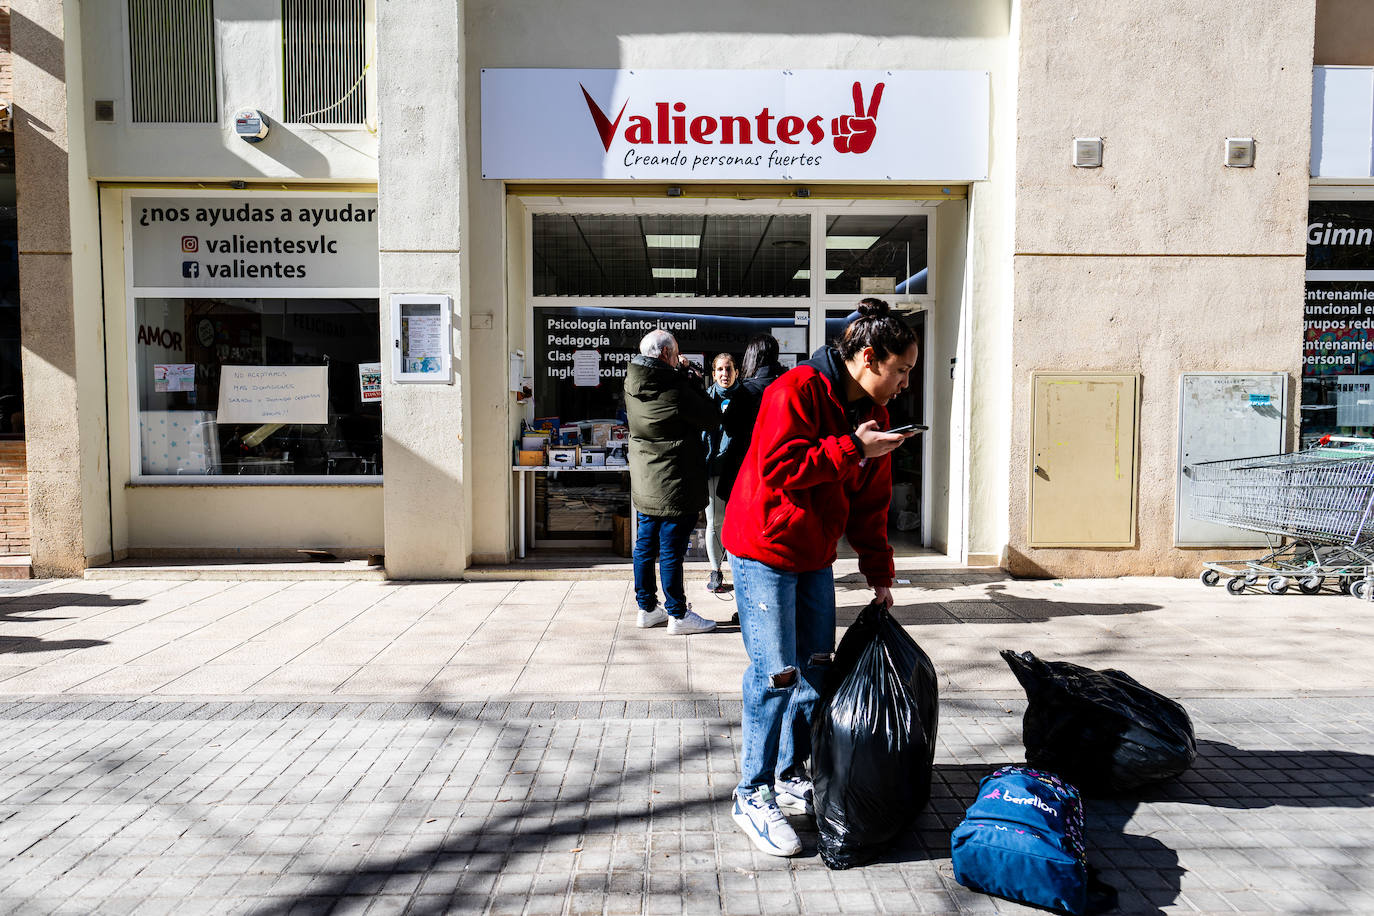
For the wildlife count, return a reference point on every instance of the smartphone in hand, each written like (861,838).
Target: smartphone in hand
(908,428)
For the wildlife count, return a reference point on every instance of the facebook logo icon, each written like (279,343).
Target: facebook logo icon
(190,269)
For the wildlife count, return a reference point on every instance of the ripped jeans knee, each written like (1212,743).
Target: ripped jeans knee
(784,679)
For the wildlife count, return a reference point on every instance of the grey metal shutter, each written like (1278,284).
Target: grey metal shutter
(324,55)
(172,61)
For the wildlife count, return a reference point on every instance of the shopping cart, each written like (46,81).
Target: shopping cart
(1315,508)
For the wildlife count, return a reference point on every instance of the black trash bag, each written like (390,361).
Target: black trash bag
(873,740)
(1101,730)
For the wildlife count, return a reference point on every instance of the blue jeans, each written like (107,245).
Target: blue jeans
(787,620)
(664,539)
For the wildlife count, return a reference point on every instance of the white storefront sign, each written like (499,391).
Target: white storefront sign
(785,125)
(296,242)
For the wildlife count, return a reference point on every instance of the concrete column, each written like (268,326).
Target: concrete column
(421,207)
(64,401)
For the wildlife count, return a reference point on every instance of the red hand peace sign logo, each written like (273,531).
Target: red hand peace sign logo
(855,133)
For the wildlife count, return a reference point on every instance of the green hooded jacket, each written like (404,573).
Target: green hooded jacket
(668,411)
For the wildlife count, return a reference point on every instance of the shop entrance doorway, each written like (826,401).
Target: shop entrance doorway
(601,273)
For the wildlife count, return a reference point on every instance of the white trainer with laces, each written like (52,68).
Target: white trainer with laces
(689,623)
(794,795)
(655,618)
(759,817)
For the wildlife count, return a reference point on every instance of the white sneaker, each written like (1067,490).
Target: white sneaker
(655,618)
(794,795)
(758,816)
(689,623)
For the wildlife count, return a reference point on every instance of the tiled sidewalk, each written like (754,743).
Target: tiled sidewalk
(564,639)
(497,747)
(161,807)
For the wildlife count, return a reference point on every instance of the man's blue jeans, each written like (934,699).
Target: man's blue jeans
(664,539)
(788,623)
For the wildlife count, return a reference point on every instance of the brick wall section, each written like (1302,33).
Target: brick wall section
(14,499)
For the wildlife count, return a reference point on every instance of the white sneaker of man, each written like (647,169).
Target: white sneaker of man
(655,618)
(760,818)
(794,794)
(689,623)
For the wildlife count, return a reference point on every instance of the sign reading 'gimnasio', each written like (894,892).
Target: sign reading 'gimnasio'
(784,125)
(253,241)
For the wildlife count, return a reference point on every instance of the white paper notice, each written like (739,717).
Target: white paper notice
(273,394)
(788,360)
(424,343)
(790,340)
(586,368)
(1355,400)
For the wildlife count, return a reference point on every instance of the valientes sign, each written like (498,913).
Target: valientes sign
(785,125)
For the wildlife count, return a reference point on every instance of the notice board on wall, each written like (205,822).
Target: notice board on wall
(1225,415)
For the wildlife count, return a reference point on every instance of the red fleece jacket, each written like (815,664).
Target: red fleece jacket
(805,482)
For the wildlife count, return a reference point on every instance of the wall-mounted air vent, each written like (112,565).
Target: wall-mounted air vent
(325,53)
(172,61)
(1240,152)
(1087,152)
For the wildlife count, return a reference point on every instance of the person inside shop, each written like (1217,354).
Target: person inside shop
(668,412)
(724,392)
(818,467)
(761,368)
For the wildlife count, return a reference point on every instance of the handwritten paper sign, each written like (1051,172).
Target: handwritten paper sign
(274,394)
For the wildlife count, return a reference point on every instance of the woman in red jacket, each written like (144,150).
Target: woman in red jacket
(818,467)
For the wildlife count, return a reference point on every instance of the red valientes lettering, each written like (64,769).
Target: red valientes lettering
(671,124)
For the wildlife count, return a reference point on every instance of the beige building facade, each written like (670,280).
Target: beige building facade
(462,259)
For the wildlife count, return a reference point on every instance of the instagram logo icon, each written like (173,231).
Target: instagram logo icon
(190,244)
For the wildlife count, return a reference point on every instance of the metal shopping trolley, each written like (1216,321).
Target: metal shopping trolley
(1315,507)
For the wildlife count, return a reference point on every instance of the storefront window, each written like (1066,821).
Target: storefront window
(298,380)
(579,506)
(1338,348)
(876,255)
(681,255)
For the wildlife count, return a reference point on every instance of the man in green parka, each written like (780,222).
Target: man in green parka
(668,410)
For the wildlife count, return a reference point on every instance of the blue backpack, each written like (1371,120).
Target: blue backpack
(1022,839)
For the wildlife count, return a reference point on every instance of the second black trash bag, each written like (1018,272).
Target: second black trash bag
(1101,730)
(873,740)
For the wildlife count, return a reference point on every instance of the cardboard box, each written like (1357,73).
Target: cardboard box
(591,457)
(620,434)
(563,457)
(530,458)
(570,436)
(534,440)
(549,423)
(601,433)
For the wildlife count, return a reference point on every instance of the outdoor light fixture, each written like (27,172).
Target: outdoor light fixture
(802,192)
(674,191)
(673,241)
(1087,152)
(251,125)
(850,242)
(674,273)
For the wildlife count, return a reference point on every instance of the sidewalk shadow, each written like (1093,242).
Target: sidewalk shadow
(19,645)
(16,609)
(999,610)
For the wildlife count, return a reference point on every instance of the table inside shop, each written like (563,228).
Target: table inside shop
(524,473)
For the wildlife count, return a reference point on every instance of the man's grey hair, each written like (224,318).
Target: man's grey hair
(656,343)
